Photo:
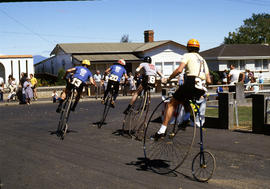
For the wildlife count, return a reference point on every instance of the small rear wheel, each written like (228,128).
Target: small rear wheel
(203,166)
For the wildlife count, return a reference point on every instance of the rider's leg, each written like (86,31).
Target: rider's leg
(134,97)
(116,90)
(78,96)
(75,102)
(109,85)
(171,107)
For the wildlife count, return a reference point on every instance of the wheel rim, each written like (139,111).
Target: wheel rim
(203,166)
(167,154)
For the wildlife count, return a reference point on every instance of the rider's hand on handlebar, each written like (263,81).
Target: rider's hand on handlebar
(164,80)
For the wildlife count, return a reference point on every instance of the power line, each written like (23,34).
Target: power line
(25,27)
(252,2)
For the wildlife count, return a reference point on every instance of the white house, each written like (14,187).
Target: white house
(14,65)
(166,55)
(254,57)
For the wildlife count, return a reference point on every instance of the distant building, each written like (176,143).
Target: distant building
(166,55)
(254,57)
(14,65)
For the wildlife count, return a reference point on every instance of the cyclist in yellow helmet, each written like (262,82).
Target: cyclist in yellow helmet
(197,73)
(79,73)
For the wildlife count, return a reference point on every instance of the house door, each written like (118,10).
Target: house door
(128,67)
(2,71)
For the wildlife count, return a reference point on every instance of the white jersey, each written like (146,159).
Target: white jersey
(149,69)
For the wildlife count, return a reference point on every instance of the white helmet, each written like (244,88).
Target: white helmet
(122,62)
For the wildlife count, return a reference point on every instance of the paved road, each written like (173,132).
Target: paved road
(95,158)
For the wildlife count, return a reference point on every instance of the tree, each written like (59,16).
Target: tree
(255,30)
(125,39)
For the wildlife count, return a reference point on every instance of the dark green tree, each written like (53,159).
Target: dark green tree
(60,75)
(255,30)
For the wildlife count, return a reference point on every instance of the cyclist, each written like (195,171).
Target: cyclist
(78,76)
(148,77)
(194,86)
(117,71)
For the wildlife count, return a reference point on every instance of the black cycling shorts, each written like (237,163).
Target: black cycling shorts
(70,86)
(188,91)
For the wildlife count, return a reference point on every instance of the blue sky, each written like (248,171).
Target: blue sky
(35,28)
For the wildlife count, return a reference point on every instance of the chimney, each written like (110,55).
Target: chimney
(148,36)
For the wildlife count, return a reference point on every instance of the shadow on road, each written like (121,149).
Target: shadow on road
(144,164)
(158,167)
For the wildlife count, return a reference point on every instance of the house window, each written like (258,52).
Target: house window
(159,66)
(52,67)
(258,64)
(63,64)
(232,62)
(168,68)
(11,64)
(242,64)
(19,68)
(177,64)
(26,67)
(265,64)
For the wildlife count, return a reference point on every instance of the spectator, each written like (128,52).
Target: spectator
(105,82)
(124,85)
(233,75)
(21,91)
(1,89)
(138,79)
(34,85)
(261,80)
(181,78)
(224,77)
(12,88)
(254,85)
(27,90)
(97,79)
(131,81)
(246,80)
(54,96)
(250,75)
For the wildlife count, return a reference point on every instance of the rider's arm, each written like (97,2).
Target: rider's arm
(138,69)
(208,79)
(69,71)
(160,74)
(107,71)
(92,81)
(177,71)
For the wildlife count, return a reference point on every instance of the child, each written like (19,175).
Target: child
(28,91)
(54,96)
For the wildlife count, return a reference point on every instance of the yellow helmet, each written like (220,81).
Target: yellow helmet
(193,43)
(86,62)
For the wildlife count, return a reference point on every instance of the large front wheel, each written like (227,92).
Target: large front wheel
(169,152)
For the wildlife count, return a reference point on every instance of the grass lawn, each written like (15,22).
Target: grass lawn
(244,115)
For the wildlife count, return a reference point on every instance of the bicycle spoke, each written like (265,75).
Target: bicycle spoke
(171,149)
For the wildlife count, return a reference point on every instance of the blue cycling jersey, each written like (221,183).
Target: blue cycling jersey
(82,73)
(117,70)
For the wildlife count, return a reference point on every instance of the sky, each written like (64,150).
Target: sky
(35,28)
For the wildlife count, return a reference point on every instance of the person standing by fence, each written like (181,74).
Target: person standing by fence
(27,88)
(97,78)
(261,80)
(34,86)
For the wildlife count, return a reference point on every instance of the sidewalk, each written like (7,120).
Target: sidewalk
(84,99)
